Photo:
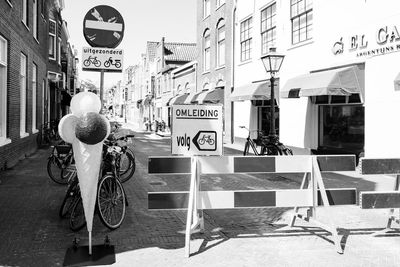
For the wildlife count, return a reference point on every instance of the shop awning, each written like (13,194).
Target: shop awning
(177,100)
(255,91)
(189,99)
(209,96)
(397,83)
(342,81)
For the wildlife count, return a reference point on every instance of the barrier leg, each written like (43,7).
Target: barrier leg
(191,213)
(317,182)
(392,216)
(304,185)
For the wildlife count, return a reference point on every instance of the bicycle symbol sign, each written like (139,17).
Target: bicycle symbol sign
(97,59)
(206,140)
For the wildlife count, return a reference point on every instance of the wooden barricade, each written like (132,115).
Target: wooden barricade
(311,194)
(382,199)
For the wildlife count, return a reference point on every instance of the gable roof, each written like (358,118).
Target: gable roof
(180,51)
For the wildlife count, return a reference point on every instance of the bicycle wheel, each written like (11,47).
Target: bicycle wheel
(127,165)
(72,194)
(111,201)
(54,169)
(77,219)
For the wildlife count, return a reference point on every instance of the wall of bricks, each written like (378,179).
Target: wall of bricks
(20,40)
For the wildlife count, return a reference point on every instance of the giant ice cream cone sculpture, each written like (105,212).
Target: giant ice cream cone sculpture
(86,129)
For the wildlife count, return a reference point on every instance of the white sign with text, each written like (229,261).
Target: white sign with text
(107,59)
(196,130)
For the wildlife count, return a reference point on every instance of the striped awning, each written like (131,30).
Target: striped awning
(255,91)
(177,100)
(209,96)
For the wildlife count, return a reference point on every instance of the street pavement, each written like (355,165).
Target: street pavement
(32,234)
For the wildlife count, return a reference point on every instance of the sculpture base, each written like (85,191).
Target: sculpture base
(79,256)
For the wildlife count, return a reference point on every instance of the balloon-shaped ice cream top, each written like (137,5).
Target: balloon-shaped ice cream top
(85,123)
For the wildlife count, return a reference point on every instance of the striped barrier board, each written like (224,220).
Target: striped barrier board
(250,164)
(250,199)
(382,199)
(311,194)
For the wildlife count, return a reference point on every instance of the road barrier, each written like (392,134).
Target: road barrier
(382,199)
(312,192)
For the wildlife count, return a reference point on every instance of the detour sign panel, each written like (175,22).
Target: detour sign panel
(196,130)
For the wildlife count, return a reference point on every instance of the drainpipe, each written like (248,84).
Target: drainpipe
(233,70)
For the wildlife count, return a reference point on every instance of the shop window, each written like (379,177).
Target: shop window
(336,99)
(341,127)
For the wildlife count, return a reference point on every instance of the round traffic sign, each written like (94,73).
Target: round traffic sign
(103,26)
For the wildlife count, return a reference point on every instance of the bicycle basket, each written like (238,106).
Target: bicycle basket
(63,149)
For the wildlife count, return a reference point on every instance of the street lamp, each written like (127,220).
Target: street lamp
(272,63)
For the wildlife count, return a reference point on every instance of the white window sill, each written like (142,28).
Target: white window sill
(206,72)
(4,141)
(218,7)
(53,59)
(301,44)
(35,131)
(23,135)
(37,41)
(220,68)
(9,3)
(247,61)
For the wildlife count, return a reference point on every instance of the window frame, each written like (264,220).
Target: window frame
(264,31)
(308,11)
(24,12)
(34,97)
(207,50)
(221,43)
(35,20)
(3,92)
(246,39)
(206,8)
(54,42)
(23,91)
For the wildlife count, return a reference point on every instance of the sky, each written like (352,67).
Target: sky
(145,20)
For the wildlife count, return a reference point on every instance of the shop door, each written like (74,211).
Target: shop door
(341,128)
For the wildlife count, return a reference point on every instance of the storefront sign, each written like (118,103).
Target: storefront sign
(196,130)
(97,59)
(387,40)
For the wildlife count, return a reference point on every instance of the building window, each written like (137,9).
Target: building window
(59,51)
(34,97)
(220,3)
(3,89)
(268,28)
(245,39)
(43,100)
(206,8)
(35,19)
(221,43)
(25,12)
(302,18)
(206,50)
(52,39)
(22,108)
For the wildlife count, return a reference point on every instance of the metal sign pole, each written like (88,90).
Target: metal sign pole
(101,89)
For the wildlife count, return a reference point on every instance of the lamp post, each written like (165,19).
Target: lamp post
(272,63)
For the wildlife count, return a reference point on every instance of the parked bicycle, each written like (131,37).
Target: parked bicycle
(92,60)
(60,159)
(267,146)
(111,199)
(48,133)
